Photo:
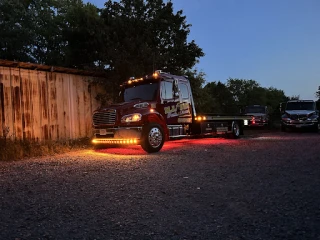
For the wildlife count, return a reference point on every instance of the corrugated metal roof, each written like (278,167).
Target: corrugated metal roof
(35,66)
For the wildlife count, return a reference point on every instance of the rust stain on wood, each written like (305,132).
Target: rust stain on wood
(40,106)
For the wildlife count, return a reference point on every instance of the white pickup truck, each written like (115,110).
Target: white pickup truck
(300,114)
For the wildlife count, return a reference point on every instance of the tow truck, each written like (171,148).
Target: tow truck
(157,108)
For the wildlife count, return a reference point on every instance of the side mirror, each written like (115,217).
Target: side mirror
(175,88)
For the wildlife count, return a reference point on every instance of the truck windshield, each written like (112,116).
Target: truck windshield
(257,109)
(300,106)
(146,92)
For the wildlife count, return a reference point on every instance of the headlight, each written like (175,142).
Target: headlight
(312,116)
(286,117)
(131,118)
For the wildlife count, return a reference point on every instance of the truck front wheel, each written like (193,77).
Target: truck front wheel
(152,138)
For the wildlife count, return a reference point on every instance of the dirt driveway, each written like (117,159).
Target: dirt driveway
(263,186)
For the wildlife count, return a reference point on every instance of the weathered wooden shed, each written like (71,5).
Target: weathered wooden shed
(40,103)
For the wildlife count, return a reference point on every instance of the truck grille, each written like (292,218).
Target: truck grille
(106,117)
(298,116)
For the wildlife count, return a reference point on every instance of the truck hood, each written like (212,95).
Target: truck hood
(299,112)
(256,114)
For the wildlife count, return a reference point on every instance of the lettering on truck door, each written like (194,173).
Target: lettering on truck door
(169,102)
(184,104)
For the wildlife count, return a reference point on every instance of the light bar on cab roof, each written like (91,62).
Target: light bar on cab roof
(132,80)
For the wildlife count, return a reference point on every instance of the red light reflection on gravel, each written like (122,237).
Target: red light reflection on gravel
(127,150)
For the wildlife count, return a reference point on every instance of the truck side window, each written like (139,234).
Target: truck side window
(184,90)
(166,90)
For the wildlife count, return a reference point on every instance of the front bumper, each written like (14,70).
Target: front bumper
(118,135)
(258,123)
(300,124)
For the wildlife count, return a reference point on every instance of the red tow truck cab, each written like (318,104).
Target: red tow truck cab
(155,109)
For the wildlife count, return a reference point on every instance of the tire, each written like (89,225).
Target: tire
(152,138)
(235,129)
(283,128)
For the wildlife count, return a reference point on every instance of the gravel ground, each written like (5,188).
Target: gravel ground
(263,186)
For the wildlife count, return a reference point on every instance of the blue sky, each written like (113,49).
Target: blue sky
(275,42)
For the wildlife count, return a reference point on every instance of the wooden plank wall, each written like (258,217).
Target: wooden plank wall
(40,106)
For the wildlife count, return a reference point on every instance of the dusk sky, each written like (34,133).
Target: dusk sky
(275,42)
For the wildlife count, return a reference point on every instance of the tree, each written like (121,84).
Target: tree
(85,34)
(318,93)
(16,35)
(274,97)
(197,80)
(49,22)
(219,99)
(294,97)
(144,36)
(65,33)
(246,92)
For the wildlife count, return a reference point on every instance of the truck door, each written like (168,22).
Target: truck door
(169,100)
(185,107)
(175,99)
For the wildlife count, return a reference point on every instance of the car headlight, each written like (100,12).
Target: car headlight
(286,117)
(135,117)
(312,116)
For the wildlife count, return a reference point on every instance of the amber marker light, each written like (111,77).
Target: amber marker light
(114,141)
(151,110)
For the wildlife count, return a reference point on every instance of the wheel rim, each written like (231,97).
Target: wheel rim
(155,137)
(236,129)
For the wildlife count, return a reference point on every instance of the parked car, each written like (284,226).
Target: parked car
(260,115)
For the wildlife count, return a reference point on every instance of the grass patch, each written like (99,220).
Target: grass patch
(12,150)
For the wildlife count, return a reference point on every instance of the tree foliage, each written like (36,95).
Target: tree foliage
(125,38)
(318,93)
(219,99)
(147,35)
(86,37)
(17,31)
(197,81)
